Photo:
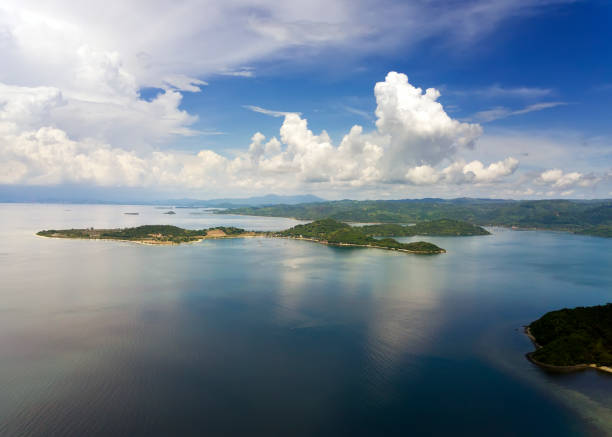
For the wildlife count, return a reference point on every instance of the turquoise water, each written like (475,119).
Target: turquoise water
(265,336)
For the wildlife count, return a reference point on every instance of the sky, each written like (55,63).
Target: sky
(342,99)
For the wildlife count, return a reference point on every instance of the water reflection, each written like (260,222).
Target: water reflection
(281,336)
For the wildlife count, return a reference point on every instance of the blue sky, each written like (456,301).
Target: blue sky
(561,55)
(159,97)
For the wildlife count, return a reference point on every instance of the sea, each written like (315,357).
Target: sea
(262,336)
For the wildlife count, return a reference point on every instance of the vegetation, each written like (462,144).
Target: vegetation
(334,232)
(147,233)
(229,230)
(441,227)
(318,229)
(576,336)
(598,231)
(327,230)
(586,217)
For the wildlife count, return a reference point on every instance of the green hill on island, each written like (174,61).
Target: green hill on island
(334,232)
(573,337)
(146,233)
(441,227)
(319,229)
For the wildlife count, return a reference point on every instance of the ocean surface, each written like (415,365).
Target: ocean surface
(279,337)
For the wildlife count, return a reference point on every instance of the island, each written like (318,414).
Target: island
(149,234)
(573,339)
(333,232)
(325,231)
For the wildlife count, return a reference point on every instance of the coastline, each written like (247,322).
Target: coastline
(510,227)
(245,235)
(417,252)
(560,369)
(144,242)
(158,242)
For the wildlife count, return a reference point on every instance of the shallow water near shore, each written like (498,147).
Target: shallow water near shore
(275,336)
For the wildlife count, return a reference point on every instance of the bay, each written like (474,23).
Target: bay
(271,336)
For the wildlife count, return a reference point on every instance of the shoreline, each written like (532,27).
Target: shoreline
(416,252)
(510,227)
(157,242)
(555,368)
(251,234)
(143,242)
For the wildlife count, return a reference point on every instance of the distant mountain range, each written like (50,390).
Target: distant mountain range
(80,195)
(267,200)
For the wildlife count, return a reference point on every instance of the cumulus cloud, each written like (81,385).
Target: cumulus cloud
(47,156)
(418,129)
(461,172)
(556,178)
(119,118)
(71,110)
(494,171)
(415,143)
(422,175)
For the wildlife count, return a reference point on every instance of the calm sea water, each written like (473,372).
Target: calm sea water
(280,337)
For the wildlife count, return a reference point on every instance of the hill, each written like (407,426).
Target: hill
(573,337)
(153,234)
(330,231)
(587,217)
(441,227)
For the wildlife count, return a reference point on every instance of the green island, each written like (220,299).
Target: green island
(573,339)
(325,231)
(149,234)
(333,232)
(587,217)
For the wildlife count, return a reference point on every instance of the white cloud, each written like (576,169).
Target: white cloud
(493,172)
(70,109)
(557,179)
(243,72)
(414,136)
(502,112)
(184,83)
(47,156)
(269,111)
(123,120)
(422,175)
(198,38)
(418,129)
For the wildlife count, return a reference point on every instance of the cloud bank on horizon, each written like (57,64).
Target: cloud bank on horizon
(71,109)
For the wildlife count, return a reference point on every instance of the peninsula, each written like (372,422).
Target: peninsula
(573,339)
(325,231)
(150,234)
